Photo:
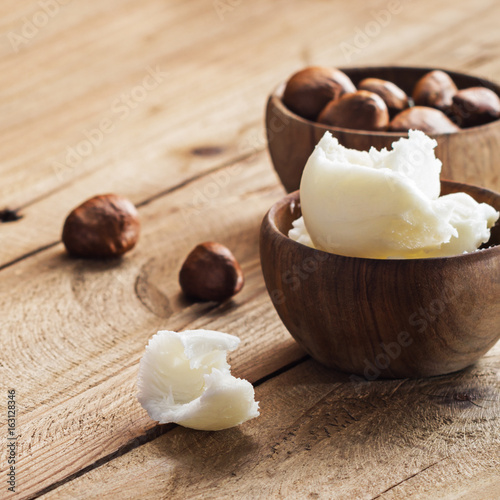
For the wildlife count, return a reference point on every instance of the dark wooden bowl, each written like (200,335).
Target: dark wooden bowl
(470,155)
(384,318)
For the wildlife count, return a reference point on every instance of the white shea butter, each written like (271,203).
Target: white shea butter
(385,204)
(184,378)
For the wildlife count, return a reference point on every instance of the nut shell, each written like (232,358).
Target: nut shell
(362,110)
(428,120)
(103,226)
(436,90)
(475,106)
(308,91)
(394,97)
(211,273)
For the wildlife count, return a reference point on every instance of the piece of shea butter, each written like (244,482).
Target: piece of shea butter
(386,204)
(184,378)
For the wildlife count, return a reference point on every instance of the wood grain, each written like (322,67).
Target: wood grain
(392,318)
(163,135)
(67,96)
(322,436)
(77,349)
(72,332)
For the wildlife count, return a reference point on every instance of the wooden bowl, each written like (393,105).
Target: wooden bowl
(470,155)
(384,318)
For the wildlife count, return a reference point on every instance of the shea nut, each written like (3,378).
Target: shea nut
(362,110)
(436,90)
(308,91)
(394,97)
(211,273)
(103,226)
(475,106)
(428,120)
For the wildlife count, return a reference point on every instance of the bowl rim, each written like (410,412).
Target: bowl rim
(294,197)
(276,97)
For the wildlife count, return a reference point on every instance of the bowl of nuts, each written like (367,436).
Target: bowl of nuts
(375,106)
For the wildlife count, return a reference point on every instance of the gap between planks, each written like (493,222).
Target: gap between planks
(362,445)
(164,192)
(256,186)
(152,434)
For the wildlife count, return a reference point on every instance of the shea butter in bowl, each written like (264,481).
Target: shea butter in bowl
(394,316)
(469,153)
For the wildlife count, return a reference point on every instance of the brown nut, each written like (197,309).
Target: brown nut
(394,97)
(211,273)
(436,90)
(308,91)
(475,106)
(103,226)
(428,120)
(361,110)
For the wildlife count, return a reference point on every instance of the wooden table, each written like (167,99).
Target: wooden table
(162,101)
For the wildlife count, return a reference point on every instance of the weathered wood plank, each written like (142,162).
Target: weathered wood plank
(152,146)
(202,98)
(466,43)
(75,329)
(322,436)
